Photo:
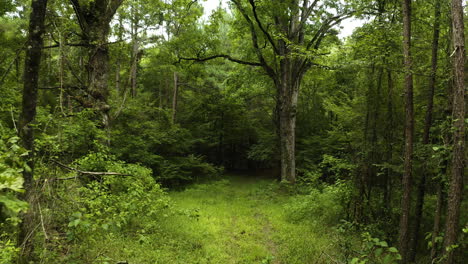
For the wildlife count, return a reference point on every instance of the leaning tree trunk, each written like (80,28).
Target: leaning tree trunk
(28,115)
(458,115)
(409,131)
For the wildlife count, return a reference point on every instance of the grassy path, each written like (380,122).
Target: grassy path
(241,220)
(237,220)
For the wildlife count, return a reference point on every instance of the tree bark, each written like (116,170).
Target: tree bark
(458,115)
(426,134)
(94,19)
(28,115)
(437,220)
(135,50)
(389,139)
(288,92)
(403,239)
(174,98)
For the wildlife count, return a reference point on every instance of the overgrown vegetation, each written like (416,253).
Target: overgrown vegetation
(149,131)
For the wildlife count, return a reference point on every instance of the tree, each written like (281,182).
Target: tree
(286,37)
(427,128)
(94,19)
(458,115)
(403,238)
(27,118)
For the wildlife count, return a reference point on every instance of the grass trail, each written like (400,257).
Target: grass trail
(234,220)
(242,220)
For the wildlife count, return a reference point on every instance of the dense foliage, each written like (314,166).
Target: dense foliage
(160,133)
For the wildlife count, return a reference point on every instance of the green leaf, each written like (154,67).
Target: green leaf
(383,244)
(393,250)
(13,204)
(388,259)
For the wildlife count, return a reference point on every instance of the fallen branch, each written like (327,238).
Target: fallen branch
(96,173)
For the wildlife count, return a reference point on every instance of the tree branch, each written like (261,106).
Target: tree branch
(80,15)
(222,56)
(306,12)
(113,6)
(268,69)
(326,26)
(87,172)
(259,23)
(68,44)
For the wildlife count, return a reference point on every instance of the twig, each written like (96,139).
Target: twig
(28,236)
(13,120)
(42,222)
(18,52)
(332,259)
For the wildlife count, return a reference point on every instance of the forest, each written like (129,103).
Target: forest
(251,131)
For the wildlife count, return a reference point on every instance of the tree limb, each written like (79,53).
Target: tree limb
(268,69)
(326,26)
(259,23)
(80,15)
(87,172)
(306,12)
(222,56)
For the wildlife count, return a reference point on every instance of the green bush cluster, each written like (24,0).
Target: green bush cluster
(321,205)
(11,184)
(103,205)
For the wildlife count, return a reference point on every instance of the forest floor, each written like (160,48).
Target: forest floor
(238,219)
(241,219)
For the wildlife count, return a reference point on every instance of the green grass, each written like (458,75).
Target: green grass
(234,220)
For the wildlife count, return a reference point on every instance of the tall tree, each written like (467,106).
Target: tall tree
(403,239)
(94,19)
(174,98)
(28,115)
(458,116)
(286,37)
(426,133)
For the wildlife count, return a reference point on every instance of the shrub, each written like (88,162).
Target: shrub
(324,205)
(11,183)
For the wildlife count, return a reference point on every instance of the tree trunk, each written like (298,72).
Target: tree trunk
(174,98)
(389,139)
(426,135)
(458,115)
(98,71)
(403,239)
(437,220)
(28,115)
(117,77)
(288,92)
(135,51)
(94,19)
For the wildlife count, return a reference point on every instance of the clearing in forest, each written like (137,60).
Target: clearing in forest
(237,219)
(241,219)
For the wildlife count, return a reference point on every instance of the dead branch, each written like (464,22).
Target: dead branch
(81,172)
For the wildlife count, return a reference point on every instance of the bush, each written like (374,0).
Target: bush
(325,205)
(11,183)
(186,169)
(102,206)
